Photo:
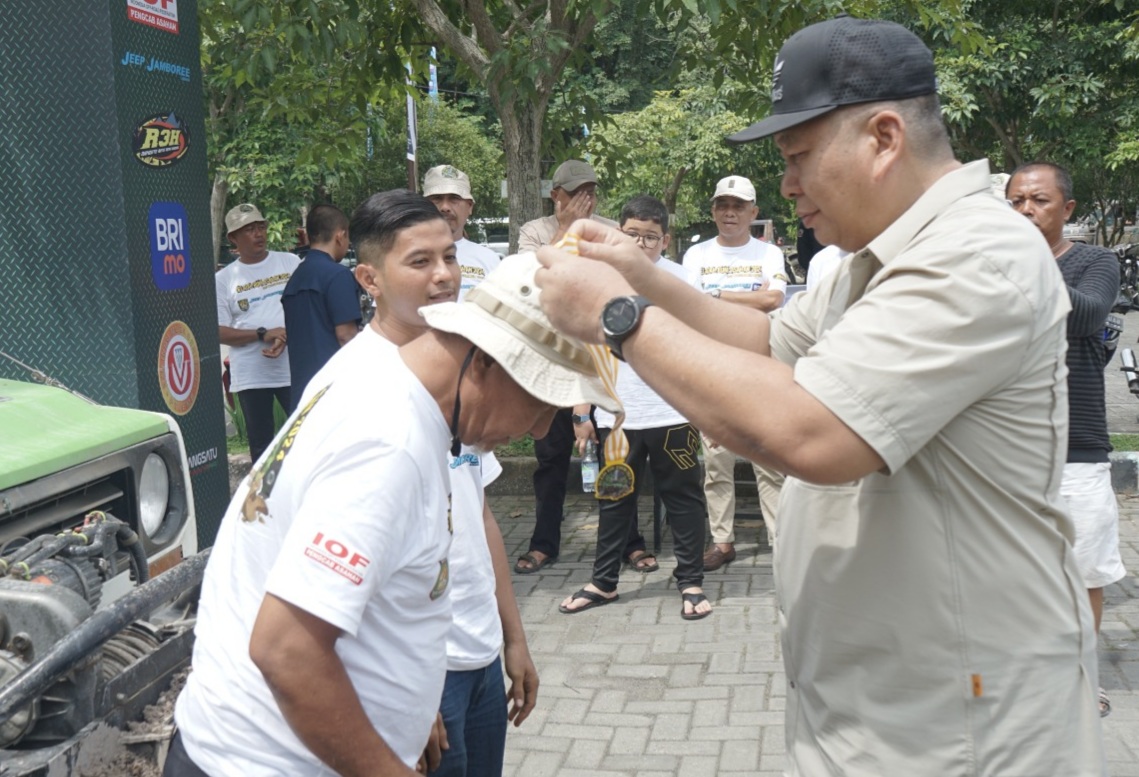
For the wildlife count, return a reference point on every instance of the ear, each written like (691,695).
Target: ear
(369,279)
(887,131)
(664,241)
(1069,206)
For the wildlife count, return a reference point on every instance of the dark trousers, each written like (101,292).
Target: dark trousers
(257,407)
(178,763)
(553,454)
(671,453)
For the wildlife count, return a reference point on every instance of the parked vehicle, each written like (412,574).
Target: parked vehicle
(96,525)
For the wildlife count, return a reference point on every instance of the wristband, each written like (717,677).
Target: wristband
(580,419)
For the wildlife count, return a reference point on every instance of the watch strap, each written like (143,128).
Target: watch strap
(580,419)
(615,341)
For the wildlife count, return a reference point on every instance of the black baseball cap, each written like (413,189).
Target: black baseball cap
(843,61)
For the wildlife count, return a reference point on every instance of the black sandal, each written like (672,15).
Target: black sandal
(693,599)
(535,564)
(635,558)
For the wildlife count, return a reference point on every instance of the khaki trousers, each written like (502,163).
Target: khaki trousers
(720,493)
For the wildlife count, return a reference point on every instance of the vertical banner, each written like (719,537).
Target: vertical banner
(412,141)
(166,214)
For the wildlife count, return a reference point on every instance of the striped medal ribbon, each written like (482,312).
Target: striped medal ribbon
(615,480)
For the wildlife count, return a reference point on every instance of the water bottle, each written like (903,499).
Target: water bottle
(589,467)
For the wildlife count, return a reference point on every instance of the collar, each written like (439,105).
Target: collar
(318,253)
(971,178)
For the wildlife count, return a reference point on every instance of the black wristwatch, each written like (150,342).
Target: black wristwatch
(261,333)
(620,318)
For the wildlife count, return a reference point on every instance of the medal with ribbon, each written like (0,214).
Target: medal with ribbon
(615,480)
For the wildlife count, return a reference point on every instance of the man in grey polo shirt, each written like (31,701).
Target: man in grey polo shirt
(933,617)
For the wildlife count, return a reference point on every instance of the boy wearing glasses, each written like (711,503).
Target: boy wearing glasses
(662,435)
(735,267)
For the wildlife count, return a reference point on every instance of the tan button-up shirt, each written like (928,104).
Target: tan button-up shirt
(540,232)
(934,621)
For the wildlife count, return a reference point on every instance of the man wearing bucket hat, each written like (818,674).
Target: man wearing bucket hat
(933,617)
(324,614)
(251,322)
(449,189)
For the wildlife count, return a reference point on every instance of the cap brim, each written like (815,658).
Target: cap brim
(777,123)
(449,190)
(551,381)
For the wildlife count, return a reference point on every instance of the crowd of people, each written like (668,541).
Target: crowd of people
(926,423)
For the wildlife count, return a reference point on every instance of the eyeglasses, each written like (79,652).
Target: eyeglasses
(648,241)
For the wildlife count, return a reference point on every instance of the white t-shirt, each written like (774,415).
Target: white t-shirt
(353,526)
(824,263)
(475,637)
(644,408)
(736,268)
(249,297)
(475,261)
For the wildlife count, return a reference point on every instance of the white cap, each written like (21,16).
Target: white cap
(446,179)
(735,186)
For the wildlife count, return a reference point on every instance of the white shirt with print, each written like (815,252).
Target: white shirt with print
(249,297)
(735,268)
(475,261)
(352,526)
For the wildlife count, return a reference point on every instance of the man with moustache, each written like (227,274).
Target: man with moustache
(450,190)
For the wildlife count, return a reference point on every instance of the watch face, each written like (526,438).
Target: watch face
(619,316)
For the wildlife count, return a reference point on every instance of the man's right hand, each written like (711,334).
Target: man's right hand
(275,342)
(580,206)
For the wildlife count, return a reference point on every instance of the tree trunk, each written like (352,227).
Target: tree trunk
(670,195)
(522,142)
(217,213)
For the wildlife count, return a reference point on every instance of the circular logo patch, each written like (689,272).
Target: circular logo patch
(178,374)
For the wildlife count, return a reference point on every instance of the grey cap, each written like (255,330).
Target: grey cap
(243,215)
(573,173)
(446,179)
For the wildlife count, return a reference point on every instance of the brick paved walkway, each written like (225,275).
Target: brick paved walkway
(631,689)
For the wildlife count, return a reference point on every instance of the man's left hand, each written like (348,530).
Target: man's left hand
(523,692)
(436,744)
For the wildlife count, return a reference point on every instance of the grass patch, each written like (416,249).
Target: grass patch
(1125,442)
(517,449)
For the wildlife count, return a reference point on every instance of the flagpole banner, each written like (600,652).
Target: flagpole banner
(105,246)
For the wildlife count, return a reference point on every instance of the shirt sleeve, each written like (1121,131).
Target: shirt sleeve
(912,353)
(1093,295)
(491,468)
(343,298)
(365,506)
(773,269)
(691,264)
(225,318)
(528,239)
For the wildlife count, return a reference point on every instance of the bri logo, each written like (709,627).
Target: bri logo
(169,245)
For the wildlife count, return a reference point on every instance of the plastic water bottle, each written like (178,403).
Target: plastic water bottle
(589,467)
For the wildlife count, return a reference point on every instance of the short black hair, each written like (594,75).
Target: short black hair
(646,208)
(378,220)
(1062,176)
(323,222)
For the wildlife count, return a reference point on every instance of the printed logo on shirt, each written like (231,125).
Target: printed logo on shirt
(243,305)
(178,370)
(169,246)
(441,581)
(161,140)
(261,283)
(338,557)
(255,507)
(733,269)
(470,459)
(159,14)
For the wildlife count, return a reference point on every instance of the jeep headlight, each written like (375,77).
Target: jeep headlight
(153,494)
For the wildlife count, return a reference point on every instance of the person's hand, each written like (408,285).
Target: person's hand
(436,744)
(580,206)
(576,288)
(523,691)
(276,340)
(583,433)
(709,443)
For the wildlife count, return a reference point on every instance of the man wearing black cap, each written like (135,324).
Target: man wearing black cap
(933,616)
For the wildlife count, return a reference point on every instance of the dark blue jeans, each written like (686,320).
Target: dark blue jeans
(474,713)
(257,407)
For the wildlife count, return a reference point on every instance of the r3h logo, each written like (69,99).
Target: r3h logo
(169,245)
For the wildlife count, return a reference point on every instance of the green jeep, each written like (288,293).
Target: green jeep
(94,502)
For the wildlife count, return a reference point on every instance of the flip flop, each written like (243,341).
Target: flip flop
(535,564)
(637,556)
(693,599)
(595,600)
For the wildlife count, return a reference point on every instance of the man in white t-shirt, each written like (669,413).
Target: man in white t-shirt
(738,268)
(450,190)
(657,432)
(324,615)
(251,322)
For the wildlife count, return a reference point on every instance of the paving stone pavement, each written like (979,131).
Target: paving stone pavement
(631,689)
